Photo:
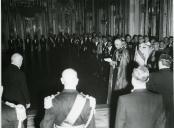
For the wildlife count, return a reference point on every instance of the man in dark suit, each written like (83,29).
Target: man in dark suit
(14,82)
(162,82)
(11,115)
(141,108)
(8,115)
(69,109)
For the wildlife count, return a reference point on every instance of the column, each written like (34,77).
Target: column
(154,16)
(112,20)
(93,16)
(131,18)
(146,20)
(142,16)
(170,17)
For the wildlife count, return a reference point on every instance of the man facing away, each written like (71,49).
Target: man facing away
(11,115)
(15,96)
(141,108)
(14,82)
(162,82)
(69,109)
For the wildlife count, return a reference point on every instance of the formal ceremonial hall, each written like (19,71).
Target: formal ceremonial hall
(87,64)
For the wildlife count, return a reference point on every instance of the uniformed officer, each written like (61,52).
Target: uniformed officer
(69,109)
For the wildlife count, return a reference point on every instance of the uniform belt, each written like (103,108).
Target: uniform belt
(70,126)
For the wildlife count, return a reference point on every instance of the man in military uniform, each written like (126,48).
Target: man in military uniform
(69,109)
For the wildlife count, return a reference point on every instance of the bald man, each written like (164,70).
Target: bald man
(14,82)
(141,108)
(69,109)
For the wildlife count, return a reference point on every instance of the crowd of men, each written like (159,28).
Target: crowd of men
(62,110)
(92,48)
(140,108)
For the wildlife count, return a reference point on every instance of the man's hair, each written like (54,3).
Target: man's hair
(127,35)
(165,59)
(141,74)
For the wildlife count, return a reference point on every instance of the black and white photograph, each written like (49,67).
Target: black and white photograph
(87,64)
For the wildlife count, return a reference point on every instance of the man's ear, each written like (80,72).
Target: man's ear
(77,81)
(62,81)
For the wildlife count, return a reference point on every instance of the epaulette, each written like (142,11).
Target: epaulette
(48,101)
(82,94)
(57,94)
(92,100)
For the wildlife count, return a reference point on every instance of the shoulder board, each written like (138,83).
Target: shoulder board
(82,94)
(92,100)
(48,101)
(57,94)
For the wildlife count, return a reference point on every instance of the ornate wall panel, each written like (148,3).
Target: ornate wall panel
(146,17)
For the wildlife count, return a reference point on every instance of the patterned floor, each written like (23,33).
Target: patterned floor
(101,116)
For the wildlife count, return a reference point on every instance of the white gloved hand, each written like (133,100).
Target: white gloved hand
(28,105)
(20,112)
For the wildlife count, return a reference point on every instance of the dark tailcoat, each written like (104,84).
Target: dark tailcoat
(140,109)
(162,82)
(15,86)
(62,105)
